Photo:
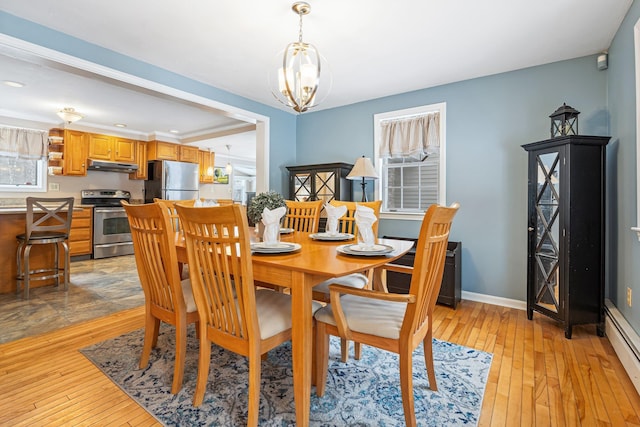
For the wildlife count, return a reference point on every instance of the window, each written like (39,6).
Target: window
(22,159)
(410,160)
(22,174)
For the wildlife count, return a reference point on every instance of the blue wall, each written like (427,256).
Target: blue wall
(488,119)
(624,248)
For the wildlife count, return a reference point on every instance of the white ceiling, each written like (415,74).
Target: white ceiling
(374,48)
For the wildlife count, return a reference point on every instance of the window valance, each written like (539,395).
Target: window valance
(416,137)
(23,143)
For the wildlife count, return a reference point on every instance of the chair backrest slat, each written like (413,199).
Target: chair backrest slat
(303,216)
(428,268)
(219,252)
(347,223)
(156,257)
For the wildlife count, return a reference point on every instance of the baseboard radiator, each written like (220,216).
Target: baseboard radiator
(625,342)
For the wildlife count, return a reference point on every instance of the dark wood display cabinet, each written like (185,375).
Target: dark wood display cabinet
(324,182)
(566,230)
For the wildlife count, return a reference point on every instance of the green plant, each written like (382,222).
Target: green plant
(270,199)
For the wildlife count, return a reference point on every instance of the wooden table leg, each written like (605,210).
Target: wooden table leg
(301,342)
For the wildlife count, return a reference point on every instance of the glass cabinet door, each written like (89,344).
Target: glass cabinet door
(325,185)
(302,187)
(547,229)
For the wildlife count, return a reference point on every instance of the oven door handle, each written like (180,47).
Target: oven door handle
(116,210)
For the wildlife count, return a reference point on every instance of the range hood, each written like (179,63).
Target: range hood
(101,165)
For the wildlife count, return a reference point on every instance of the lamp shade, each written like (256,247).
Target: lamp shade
(363,169)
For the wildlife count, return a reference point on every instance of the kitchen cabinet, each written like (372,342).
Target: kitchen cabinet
(206,160)
(188,154)
(566,230)
(159,150)
(76,148)
(141,161)
(111,148)
(81,233)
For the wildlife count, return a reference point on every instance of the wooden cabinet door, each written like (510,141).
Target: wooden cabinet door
(100,147)
(188,154)
(81,233)
(158,150)
(76,147)
(141,160)
(206,160)
(124,150)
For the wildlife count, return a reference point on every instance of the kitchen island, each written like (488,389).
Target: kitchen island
(12,223)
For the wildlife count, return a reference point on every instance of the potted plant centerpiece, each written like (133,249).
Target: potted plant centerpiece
(269,199)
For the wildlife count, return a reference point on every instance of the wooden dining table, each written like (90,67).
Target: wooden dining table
(315,262)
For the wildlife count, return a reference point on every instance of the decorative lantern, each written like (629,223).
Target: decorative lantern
(564,121)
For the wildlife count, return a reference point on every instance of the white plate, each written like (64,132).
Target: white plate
(279,248)
(286,230)
(327,236)
(375,250)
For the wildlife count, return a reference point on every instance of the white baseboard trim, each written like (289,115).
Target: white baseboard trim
(490,299)
(625,342)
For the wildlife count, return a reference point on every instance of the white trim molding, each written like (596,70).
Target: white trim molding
(490,299)
(636,49)
(625,342)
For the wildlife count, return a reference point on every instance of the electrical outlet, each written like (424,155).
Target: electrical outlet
(54,186)
(629,297)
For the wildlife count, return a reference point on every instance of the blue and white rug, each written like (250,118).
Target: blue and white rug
(362,392)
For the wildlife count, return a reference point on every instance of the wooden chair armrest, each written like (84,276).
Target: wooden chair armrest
(336,290)
(398,268)
(368,293)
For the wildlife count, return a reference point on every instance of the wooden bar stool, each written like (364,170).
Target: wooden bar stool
(50,228)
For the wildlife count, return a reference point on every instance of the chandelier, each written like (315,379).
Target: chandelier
(69,115)
(298,75)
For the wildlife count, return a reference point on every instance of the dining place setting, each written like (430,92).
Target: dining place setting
(234,261)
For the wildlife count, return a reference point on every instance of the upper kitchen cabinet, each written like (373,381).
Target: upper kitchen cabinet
(75,152)
(112,148)
(206,161)
(141,161)
(159,150)
(187,153)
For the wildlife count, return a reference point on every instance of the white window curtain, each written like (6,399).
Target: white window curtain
(23,143)
(415,137)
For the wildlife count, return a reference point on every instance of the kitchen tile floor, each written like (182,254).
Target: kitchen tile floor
(96,288)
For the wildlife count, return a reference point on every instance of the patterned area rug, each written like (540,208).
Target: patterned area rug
(362,392)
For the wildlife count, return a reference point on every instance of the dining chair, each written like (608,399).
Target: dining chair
(233,313)
(303,216)
(52,227)
(167,298)
(347,224)
(392,322)
(170,206)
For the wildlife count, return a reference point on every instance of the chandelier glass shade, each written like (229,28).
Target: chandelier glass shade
(69,115)
(297,82)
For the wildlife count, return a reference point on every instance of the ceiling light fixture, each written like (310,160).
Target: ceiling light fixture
(120,125)
(69,115)
(228,168)
(13,84)
(298,76)
(210,168)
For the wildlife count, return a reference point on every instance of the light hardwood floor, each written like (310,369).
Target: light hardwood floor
(537,378)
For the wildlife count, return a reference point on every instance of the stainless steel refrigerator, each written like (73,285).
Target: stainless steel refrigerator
(171,180)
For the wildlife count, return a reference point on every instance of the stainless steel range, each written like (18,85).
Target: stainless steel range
(111,233)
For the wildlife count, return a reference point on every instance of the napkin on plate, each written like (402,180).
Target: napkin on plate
(271,221)
(334,213)
(365,217)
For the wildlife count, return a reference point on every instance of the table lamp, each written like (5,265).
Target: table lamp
(363,169)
